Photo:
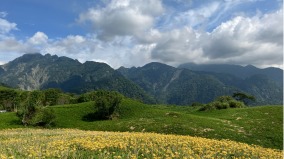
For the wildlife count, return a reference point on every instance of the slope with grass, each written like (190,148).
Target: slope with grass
(259,125)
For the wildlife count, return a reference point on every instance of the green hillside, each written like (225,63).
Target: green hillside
(259,125)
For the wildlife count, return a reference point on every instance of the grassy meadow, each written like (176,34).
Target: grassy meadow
(147,131)
(261,126)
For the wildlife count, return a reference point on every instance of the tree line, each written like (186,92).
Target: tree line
(34,107)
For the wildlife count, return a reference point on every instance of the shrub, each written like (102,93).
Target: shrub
(51,96)
(107,104)
(89,96)
(222,105)
(8,99)
(224,99)
(26,113)
(223,102)
(43,117)
(209,106)
(236,104)
(36,115)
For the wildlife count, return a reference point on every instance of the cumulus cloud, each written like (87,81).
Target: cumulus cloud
(116,53)
(71,45)
(131,33)
(247,39)
(11,48)
(243,40)
(177,46)
(38,38)
(122,18)
(13,45)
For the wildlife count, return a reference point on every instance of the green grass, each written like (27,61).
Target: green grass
(258,125)
(9,120)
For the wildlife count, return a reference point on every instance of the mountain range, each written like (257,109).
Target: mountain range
(152,83)
(243,72)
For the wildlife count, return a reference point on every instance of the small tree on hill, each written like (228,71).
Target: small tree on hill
(245,98)
(33,115)
(8,99)
(51,96)
(107,104)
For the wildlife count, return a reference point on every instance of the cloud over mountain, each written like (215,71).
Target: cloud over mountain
(135,32)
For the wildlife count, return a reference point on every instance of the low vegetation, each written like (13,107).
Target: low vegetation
(244,97)
(32,106)
(13,99)
(70,143)
(223,102)
(253,125)
(36,116)
(110,111)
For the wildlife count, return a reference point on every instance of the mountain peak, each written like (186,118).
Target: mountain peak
(251,67)
(156,65)
(29,56)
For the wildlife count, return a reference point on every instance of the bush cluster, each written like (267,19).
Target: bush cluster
(223,102)
(12,99)
(32,107)
(107,104)
(32,115)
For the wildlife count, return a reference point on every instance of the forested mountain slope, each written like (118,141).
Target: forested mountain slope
(154,82)
(35,71)
(183,86)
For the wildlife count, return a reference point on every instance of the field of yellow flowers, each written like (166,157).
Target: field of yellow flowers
(71,143)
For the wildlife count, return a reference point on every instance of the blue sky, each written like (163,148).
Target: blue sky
(135,32)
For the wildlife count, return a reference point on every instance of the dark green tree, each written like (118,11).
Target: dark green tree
(245,98)
(8,99)
(32,115)
(107,104)
(44,117)
(37,97)
(51,96)
(27,112)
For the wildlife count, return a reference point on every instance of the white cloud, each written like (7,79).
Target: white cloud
(243,40)
(178,46)
(10,47)
(71,45)
(248,40)
(122,18)
(127,33)
(6,26)
(38,38)
(13,45)
(198,16)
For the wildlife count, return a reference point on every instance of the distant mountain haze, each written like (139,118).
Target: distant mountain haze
(152,83)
